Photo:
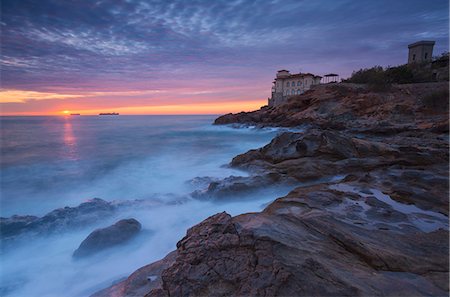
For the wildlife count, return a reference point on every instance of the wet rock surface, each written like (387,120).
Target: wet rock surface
(101,239)
(59,219)
(141,281)
(89,213)
(367,214)
(317,241)
(231,186)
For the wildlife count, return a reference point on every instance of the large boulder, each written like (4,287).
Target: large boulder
(104,238)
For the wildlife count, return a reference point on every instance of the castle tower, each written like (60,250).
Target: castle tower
(420,52)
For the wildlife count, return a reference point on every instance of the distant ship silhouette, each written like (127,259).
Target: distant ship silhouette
(108,113)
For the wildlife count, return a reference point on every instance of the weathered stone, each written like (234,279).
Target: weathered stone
(101,239)
(300,246)
(378,228)
(61,219)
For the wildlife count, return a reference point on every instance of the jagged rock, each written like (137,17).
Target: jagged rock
(241,117)
(15,225)
(380,229)
(101,239)
(16,228)
(310,243)
(316,241)
(141,281)
(349,106)
(202,181)
(240,186)
(59,219)
(325,144)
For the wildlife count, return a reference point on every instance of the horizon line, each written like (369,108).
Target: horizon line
(91,115)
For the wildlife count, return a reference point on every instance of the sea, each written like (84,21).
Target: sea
(51,162)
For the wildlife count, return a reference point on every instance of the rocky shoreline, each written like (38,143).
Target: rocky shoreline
(367,214)
(379,228)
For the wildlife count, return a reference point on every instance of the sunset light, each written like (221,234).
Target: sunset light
(169,56)
(224,148)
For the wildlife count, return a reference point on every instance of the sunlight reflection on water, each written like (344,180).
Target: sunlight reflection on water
(70,140)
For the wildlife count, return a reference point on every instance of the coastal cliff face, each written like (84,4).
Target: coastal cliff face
(367,214)
(356,107)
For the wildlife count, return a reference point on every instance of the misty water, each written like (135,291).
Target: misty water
(53,162)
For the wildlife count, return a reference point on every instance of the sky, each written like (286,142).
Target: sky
(192,56)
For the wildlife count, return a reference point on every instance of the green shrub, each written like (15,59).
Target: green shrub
(380,79)
(375,77)
(365,76)
(400,74)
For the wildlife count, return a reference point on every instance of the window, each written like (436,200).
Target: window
(298,92)
(414,57)
(293,92)
(287,84)
(298,83)
(426,55)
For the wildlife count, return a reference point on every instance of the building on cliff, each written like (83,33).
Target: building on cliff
(420,52)
(286,85)
(420,58)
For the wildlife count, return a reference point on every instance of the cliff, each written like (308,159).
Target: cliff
(367,214)
(356,107)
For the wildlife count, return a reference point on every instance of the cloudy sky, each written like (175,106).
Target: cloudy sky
(191,56)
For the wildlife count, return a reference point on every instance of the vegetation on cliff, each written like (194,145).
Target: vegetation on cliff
(381,79)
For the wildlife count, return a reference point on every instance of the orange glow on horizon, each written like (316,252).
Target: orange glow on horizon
(173,109)
(20,96)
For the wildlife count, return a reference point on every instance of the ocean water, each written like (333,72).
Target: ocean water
(49,162)
(52,162)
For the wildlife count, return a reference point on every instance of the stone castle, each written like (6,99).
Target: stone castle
(287,84)
(420,52)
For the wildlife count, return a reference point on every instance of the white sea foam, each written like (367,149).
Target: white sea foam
(115,159)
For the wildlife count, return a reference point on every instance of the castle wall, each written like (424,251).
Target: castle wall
(420,53)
